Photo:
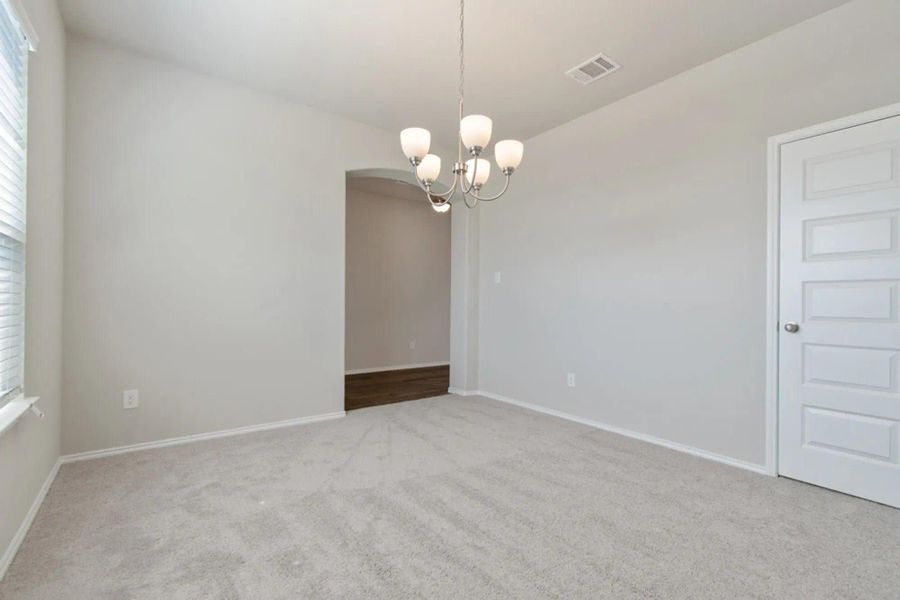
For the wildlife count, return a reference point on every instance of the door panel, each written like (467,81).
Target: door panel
(856,170)
(850,300)
(839,373)
(851,237)
(849,433)
(848,366)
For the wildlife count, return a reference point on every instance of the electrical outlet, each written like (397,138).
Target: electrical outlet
(498,276)
(412,345)
(570,379)
(130,399)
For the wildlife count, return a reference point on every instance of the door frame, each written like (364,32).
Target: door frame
(773,257)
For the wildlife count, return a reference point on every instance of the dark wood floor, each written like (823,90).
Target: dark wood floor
(387,387)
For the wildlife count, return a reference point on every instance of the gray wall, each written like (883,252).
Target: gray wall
(29,450)
(204,251)
(632,244)
(398,278)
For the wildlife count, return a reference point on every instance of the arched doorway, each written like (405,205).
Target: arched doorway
(397,292)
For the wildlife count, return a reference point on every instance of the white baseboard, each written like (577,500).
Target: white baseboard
(187,439)
(461,392)
(644,437)
(396,368)
(17,540)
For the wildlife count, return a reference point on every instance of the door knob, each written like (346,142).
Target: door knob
(791,327)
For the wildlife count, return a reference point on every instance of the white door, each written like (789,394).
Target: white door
(839,313)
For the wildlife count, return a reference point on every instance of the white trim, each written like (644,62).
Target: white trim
(773,258)
(21,15)
(13,410)
(397,368)
(644,437)
(17,539)
(198,437)
(460,392)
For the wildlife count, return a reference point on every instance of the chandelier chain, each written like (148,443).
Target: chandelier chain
(462,67)
(462,63)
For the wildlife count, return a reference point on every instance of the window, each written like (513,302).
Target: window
(13,135)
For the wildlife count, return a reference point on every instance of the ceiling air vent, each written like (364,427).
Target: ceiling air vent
(593,69)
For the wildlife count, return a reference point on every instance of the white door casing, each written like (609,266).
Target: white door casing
(839,373)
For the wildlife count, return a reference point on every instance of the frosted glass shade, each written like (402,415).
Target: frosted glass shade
(481,176)
(441,208)
(508,154)
(429,169)
(475,131)
(415,142)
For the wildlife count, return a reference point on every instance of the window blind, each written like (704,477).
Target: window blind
(13,135)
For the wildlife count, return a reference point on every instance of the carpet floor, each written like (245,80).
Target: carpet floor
(445,498)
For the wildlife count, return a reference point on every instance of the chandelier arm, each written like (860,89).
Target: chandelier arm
(422,186)
(466,200)
(430,192)
(462,176)
(449,192)
(445,196)
(462,186)
(436,200)
(492,198)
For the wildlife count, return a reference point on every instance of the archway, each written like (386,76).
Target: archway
(462,301)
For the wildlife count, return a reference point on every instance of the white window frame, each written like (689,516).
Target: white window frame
(18,14)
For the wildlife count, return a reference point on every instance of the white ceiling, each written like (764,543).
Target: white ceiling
(392,63)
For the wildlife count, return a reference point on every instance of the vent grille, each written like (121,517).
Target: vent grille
(593,69)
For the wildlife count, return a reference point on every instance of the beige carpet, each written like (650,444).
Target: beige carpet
(445,498)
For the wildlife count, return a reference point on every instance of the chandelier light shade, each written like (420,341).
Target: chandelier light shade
(477,175)
(474,136)
(429,169)
(415,142)
(508,154)
(475,132)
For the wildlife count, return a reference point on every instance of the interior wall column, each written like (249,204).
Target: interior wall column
(464,299)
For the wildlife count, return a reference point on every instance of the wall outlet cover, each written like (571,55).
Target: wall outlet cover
(130,399)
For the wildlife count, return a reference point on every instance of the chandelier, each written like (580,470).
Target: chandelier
(474,135)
